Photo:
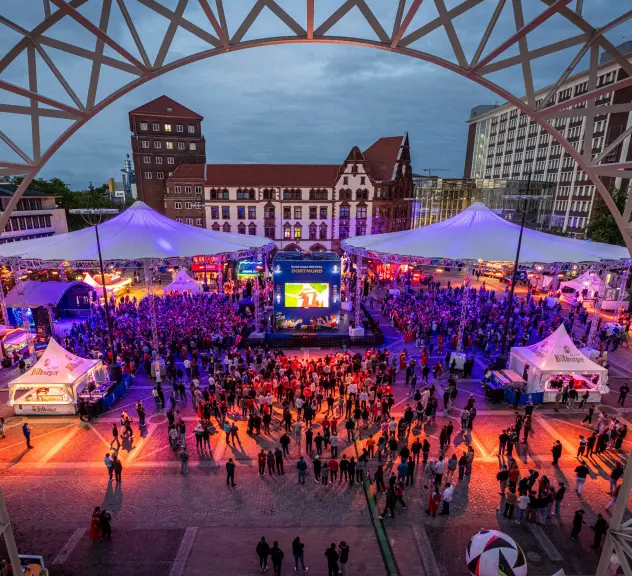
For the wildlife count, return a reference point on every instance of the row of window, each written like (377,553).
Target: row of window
(188,205)
(29,204)
(188,190)
(288,194)
(27,223)
(157,160)
(144,126)
(189,221)
(168,145)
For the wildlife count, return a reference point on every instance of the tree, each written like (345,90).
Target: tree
(602,227)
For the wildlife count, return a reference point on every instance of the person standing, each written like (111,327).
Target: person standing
(623,392)
(600,528)
(510,503)
(578,522)
(26,430)
(556,451)
(298,550)
(301,467)
(184,461)
(521,511)
(105,520)
(581,449)
(261,461)
(278,457)
(263,549)
(276,555)
(559,496)
(230,472)
(117,466)
(613,500)
(615,475)
(446,498)
(108,464)
(332,560)
(344,557)
(580,477)
(95,525)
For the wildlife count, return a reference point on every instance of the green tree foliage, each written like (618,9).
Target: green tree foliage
(68,199)
(602,227)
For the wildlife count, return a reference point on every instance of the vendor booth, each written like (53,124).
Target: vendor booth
(183,283)
(117,284)
(581,289)
(54,384)
(556,362)
(12,340)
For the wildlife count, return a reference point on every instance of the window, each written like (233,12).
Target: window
(169,145)
(169,159)
(252,213)
(148,176)
(226,227)
(191,129)
(198,190)
(345,212)
(323,212)
(226,212)
(287,231)
(187,189)
(344,194)
(362,180)
(158,160)
(292,194)
(287,212)
(179,128)
(143,125)
(160,175)
(192,146)
(313,212)
(155,127)
(268,231)
(177,205)
(177,189)
(298,212)
(181,146)
(214,212)
(241,212)
(241,228)
(198,221)
(247,194)
(320,194)
(145,143)
(312,231)
(362,194)
(269,194)
(298,232)
(188,205)
(268,212)
(216,194)
(323,231)
(189,221)
(345,180)
(360,229)
(179,220)
(147,159)
(157,144)
(252,229)
(361,212)
(167,127)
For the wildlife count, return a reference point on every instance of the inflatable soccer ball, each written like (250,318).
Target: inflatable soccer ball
(492,553)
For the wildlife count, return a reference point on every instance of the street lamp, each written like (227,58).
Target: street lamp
(93,217)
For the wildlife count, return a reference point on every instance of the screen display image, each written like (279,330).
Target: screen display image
(307,295)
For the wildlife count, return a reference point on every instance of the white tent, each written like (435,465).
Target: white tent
(476,234)
(586,280)
(138,233)
(52,386)
(183,283)
(554,356)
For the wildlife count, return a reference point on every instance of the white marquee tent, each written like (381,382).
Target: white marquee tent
(587,280)
(477,234)
(183,283)
(53,384)
(138,233)
(553,356)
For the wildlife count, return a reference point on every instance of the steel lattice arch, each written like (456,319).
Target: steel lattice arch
(397,35)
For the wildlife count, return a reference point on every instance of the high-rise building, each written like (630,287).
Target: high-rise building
(165,134)
(504,144)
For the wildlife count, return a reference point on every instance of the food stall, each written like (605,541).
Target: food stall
(504,384)
(54,383)
(550,364)
(115,284)
(12,340)
(183,283)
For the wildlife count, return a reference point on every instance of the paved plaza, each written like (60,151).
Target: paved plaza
(167,523)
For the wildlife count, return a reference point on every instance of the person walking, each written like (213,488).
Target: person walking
(276,555)
(581,472)
(332,560)
(613,500)
(344,557)
(115,437)
(263,550)
(615,476)
(26,430)
(117,466)
(298,550)
(230,472)
(600,528)
(581,449)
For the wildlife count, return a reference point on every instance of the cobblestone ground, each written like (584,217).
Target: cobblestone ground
(167,523)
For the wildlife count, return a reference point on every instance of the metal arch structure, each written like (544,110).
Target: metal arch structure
(36,42)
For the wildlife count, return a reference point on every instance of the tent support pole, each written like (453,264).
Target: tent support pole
(620,296)
(106,304)
(147,272)
(460,345)
(19,286)
(358,293)
(7,531)
(220,275)
(594,321)
(3,306)
(51,320)
(556,280)
(256,295)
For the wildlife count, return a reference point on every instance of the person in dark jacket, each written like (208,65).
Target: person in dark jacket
(298,549)
(276,555)
(600,528)
(263,549)
(556,451)
(578,522)
(105,521)
(332,560)
(344,557)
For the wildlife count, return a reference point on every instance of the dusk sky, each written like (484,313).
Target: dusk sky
(292,103)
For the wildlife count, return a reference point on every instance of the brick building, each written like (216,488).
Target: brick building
(504,143)
(165,135)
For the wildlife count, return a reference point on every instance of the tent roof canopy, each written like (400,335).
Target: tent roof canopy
(586,280)
(138,233)
(478,234)
(55,366)
(182,282)
(558,353)
(31,294)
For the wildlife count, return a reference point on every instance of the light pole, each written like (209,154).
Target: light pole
(93,216)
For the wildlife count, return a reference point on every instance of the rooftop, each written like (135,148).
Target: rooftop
(7,191)
(165,106)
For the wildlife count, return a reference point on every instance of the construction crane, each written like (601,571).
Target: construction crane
(431,170)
